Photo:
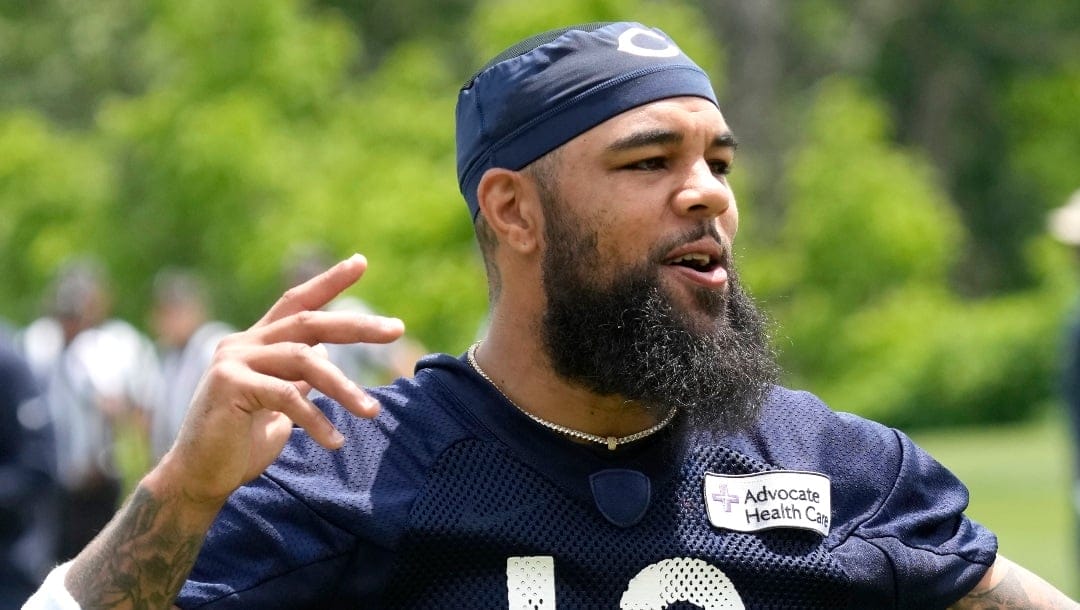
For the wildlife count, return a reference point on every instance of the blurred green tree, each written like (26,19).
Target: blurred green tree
(896,161)
(860,288)
(64,58)
(51,183)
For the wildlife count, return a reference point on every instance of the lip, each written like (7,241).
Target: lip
(713,278)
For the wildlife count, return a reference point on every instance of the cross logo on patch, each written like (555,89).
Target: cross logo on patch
(723,497)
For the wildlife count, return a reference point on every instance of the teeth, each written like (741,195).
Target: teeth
(695,257)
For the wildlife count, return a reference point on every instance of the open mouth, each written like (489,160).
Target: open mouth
(701,262)
(696,261)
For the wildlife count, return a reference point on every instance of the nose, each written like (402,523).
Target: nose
(703,194)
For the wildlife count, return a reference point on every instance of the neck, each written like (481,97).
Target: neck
(519,367)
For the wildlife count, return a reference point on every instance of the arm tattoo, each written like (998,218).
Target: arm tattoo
(139,561)
(1013,591)
(1007,593)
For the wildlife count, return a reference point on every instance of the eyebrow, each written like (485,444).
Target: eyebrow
(654,137)
(725,140)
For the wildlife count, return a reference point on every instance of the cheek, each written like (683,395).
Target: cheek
(611,245)
(597,226)
(729,221)
(621,235)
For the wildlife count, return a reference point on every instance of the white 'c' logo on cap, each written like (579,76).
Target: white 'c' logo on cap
(627,45)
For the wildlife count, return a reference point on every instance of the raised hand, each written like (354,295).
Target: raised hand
(238,423)
(256,388)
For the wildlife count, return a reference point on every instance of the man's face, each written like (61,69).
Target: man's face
(645,179)
(642,299)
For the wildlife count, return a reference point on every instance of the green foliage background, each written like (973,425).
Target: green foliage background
(898,160)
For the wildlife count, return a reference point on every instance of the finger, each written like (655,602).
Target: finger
(298,362)
(319,290)
(265,392)
(305,387)
(313,327)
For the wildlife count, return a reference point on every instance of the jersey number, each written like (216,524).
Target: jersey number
(530,585)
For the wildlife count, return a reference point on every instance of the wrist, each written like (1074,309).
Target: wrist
(167,483)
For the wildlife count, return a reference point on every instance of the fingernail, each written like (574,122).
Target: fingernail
(336,438)
(371,403)
(362,397)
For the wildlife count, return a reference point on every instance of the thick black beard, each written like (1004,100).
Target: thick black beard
(628,339)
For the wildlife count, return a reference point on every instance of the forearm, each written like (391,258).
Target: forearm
(1008,585)
(143,556)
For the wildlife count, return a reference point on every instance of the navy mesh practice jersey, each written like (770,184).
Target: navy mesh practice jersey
(451,498)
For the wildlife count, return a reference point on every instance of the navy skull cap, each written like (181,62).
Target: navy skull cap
(548,89)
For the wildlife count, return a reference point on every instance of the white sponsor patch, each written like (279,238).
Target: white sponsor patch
(766,500)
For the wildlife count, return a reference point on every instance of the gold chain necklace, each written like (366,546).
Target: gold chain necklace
(611,441)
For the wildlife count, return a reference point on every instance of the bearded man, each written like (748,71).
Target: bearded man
(615,441)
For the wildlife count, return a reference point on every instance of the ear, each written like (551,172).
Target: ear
(510,204)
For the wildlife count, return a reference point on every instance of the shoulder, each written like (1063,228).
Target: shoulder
(427,407)
(863,459)
(372,480)
(798,428)
(894,506)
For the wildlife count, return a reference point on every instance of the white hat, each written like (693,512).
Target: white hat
(1064,222)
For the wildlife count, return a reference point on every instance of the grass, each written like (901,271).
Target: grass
(1019,477)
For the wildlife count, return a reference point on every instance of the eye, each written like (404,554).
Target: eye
(650,164)
(720,167)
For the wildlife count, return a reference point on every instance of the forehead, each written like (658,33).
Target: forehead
(689,117)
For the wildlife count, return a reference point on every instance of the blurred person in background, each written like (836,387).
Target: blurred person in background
(98,375)
(41,342)
(186,337)
(1064,225)
(365,363)
(25,481)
